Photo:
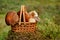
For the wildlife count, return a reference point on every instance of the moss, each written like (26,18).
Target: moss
(37,35)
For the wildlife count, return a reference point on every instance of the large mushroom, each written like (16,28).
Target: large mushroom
(11,18)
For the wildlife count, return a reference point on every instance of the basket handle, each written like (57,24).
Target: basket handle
(22,12)
(20,15)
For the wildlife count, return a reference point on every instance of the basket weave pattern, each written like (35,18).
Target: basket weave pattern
(27,27)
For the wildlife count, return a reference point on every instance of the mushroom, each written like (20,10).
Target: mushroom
(11,18)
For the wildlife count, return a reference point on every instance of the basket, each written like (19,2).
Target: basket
(23,26)
(28,27)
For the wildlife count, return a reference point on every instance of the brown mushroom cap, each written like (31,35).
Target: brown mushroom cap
(11,18)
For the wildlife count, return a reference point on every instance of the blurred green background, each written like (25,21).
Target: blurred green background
(48,10)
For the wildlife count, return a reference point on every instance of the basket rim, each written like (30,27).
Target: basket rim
(27,22)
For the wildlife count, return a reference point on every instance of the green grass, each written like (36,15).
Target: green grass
(3,28)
